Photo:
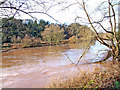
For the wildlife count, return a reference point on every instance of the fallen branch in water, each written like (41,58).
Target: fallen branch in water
(84,52)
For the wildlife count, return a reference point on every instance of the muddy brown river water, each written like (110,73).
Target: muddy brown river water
(40,66)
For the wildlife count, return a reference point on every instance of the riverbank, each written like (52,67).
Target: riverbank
(107,77)
(10,46)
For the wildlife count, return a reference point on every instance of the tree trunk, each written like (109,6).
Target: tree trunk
(116,53)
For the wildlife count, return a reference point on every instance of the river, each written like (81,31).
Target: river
(39,66)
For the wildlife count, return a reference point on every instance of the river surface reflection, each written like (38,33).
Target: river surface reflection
(16,64)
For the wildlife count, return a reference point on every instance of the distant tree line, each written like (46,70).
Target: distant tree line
(19,28)
(15,30)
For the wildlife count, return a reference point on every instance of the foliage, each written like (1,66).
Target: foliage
(27,41)
(73,28)
(79,33)
(53,33)
(14,31)
(117,84)
(19,28)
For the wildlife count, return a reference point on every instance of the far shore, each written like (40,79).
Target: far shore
(11,46)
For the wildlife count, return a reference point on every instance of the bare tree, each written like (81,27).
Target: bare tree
(107,9)
(111,16)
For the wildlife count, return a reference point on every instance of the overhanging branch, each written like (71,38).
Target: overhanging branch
(3,2)
(104,28)
(28,13)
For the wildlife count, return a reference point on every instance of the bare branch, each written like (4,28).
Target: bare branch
(3,2)
(110,17)
(59,3)
(103,28)
(114,18)
(69,6)
(18,10)
(84,52)
(101,40)
(28,7)
(46,14)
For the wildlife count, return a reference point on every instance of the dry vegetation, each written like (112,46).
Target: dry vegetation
(108,77)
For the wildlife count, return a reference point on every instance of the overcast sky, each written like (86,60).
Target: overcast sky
(68,16)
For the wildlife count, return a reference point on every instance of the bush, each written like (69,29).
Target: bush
(108,77)
(27,41)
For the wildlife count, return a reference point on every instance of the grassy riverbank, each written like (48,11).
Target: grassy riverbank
(109,77)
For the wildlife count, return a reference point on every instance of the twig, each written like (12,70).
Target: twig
(68,57)
(84,52)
